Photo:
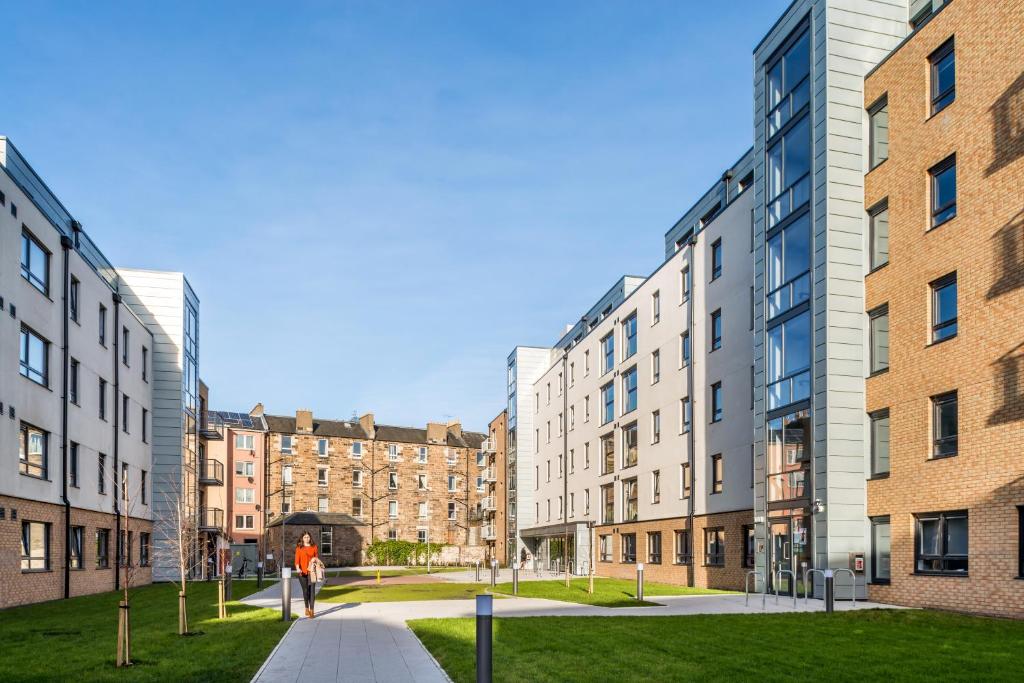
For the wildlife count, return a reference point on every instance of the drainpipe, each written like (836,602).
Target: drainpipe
(118,487)
(691,441)
(66,245)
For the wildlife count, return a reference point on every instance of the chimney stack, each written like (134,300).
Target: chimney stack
(437,433)
(455,427)
(304,421)
(366,422)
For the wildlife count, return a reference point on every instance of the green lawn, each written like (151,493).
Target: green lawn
(401,592)
(411,571)
(76,639)
(869,645)
(607,592)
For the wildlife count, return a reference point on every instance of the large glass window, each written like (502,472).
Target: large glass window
(654,547)
(629,445)
(35,352)
(32,454)
(789,361)
(944,308)
(629,390)
(788,456)
(943,76)
(684,349)
(716,402)
(717,473)
(629,337)
(628,548)
(787,84)
(944,425)
(880,442)
(629,500)
(608,403)
(943,177)
(35,263)
(35,546)
(879,218)
(608,504)
(881,550)
(879,132)
(608,352)
(607,454)
(682,546)
(941,543)
(716,330)
(716,259)
(714,547)
(789,166)
(789,266)
(879,329)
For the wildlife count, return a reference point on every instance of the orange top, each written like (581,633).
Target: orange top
(303,554)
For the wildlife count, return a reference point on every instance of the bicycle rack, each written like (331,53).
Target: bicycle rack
(778,580)
(746,587)
(807,591)
(853,579)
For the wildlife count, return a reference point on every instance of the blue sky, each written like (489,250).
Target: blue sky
(376,201)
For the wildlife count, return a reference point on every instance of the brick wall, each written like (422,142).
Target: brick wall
(346,546)
(728,576)
(18,588)
(984,363)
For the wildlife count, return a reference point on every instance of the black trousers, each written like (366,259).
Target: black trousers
(308,594)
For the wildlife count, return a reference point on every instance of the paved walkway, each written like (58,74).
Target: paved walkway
(370,642)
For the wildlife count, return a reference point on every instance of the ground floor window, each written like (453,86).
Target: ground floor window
(749,543)
(35,546)
(421,535)
(327,540)
(629,548)
(654,547)
(143,549)
(125,548)
(392,534)
(714,547)
(941,546)
(1020,542)
(605,547)
(77,534)
(881,550)
(102,548)
(682,547)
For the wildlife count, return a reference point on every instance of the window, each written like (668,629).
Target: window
(244,468)
(684,349)
(654,547)
(788,452)
(881,550)
(879,218)
(716,473)
(572,374)
(716,330)
(145,429)
(244,495)
(685,481)
(716,402)
(323,504)
(357,507)
(125,345)
(714,547)
(749,545)
(392,534)
(656,486)
(572,417)
(586,362)
(35,357)
(286,504)
(327,540)
(73,298)
(655,307)
(102,548)
(787,90)
(608,352)
(605,545)
(321,448)
(421,482)
(943,176)
(586,501)
(357,478)
(682,546)
(286,475)
(73,382)
(73,464)
(479,483)
(244,442)
(452,481)
(608,504)
(392,480)
(453,512)
(629,500)
(103,325)
(944,308)
(629,445)
(789,361)
(125,405)
(608,401)
(684,415)
(101,471)
(125,548)
(656,426)
(421,456)
(35,546)
(421,535)
(684,284)
(716,259)
(586,455)
(629,389)
(944,425)
(943,76)
(879,442)
(788,265)
(77,546)
(145,364)
(393,452)
(142,486)
(628,548)
(244,522)
(655,366)
(879,330)
(321,476)
(878,117)
(357,450)
(35,263)
(629,337)
(286,444)
(1020,540)
(144,545)
(941,546)
(33,457)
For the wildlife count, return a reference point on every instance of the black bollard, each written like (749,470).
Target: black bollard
(484,635)
(830,592)
(286,594)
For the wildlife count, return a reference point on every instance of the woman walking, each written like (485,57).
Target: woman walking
(306,554)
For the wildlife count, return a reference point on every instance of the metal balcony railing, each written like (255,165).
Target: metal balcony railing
(211,427)
(211,519)
(488,446)
(211,473)
(489,503)
(491,474)
(489,533)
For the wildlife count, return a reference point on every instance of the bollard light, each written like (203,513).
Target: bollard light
(494,573)
(830,591)
(286,594)
(478,571)
(640,581)
(484,635)
(515,579)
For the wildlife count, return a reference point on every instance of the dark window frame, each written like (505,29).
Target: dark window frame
(73,298)
(25,467)
(27,370)
(874,260)
(717,474)
(103,550)
(945,212)
(625,557)
(26,551)
(749,545)
(683,555)
(717,409)
(716,259)
(42,286)
(939,401)
(882,520)
(716,329)
(882,103)
(653,557)
(874,418)
(714,547)
(77,550)
(941,99)
(875,364)
(944,557)
(940,329)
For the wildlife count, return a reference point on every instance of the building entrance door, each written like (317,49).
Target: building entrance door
(790,545)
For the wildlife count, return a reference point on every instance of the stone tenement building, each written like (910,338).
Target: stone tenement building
(402,482)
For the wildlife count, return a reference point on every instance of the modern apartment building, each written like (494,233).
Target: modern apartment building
(75,409)
(944,297)
(494,505)
(403,482)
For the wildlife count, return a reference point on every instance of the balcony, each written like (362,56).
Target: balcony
(211,431)
(489,532)
(491,474)
(211,473)
(489,503)
(211,519)
(488,446)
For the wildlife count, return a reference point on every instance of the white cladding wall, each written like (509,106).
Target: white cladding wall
(41,407)
(730,365)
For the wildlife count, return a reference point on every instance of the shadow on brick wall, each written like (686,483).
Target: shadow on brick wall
(1008,126)
(1009,383)
(1008,248)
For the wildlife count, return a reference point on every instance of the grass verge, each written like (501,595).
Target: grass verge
(75,640)
(868,645)
(411,571)
(607,592)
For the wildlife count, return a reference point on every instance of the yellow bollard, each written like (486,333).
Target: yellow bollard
(378,577)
